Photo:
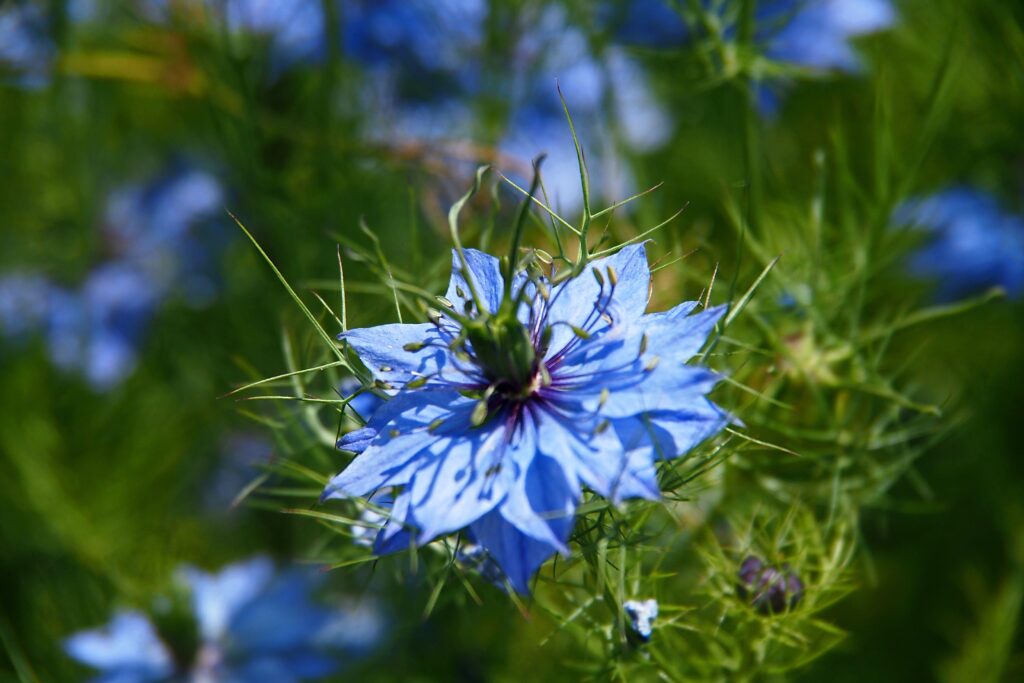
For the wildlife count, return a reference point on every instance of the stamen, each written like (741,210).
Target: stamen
(479,413)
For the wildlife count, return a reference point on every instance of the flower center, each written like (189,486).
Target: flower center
(505,354)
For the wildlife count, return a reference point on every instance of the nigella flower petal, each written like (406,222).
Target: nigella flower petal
(575,301)
(677,335)
(518,555)
(542,504)
(637,389)
(357,440)
(464,477)
(218,597)
(283,619)
(390,458)
(670,433)
(486,275)
(397,354)
(586,454)
(396,534)
(128,647)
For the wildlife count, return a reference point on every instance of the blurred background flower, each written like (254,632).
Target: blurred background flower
(155,246)
(247,623)
(971,242)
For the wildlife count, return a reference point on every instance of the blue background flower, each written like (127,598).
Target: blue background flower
(971,242)
(253,623)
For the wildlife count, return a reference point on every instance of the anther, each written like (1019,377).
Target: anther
(479,413)
(416,383)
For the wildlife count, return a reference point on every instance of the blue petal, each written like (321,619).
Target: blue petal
(402,427)
(382,350)
(589,455)
(518,555)
(128,647)
(486,274)
(396,534)
(574,301)
(218,597)
(542,503)
(281,619)
(357,440)
(463,478)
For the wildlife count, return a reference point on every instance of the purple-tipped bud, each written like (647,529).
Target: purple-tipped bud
(769,589)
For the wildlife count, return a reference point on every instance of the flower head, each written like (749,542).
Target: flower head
(973,242)
(248,624)
(518,394)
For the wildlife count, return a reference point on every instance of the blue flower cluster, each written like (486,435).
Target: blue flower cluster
(814,35)
(26,49)
(96,328)
(428,66)
(972,242)
(252,623)
(518,394)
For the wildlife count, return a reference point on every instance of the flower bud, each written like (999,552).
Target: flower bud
(641,615)
(769,589)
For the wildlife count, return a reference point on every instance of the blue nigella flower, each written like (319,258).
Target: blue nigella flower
(165,229)
(428,63)
(642,614)
(26,48)
(973,243)
(97,329)
(815,35)
(521,393)
(252,625)
(158,236)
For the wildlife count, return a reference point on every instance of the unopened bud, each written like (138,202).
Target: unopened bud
(769,590)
